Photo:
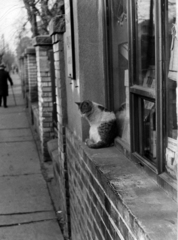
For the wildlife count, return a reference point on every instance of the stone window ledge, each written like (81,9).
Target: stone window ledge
(142,203)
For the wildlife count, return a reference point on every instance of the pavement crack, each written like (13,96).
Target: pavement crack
(15,141)
(19,175)
(26,223)
(23,213)
(14,128)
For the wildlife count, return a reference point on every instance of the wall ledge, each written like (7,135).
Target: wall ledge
(144,205)
(42,40)
(30,50)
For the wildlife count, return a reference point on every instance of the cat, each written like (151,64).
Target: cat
(103,127)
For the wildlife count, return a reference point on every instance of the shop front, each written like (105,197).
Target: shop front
(143,65)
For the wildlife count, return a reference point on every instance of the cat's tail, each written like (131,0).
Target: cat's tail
(99,144)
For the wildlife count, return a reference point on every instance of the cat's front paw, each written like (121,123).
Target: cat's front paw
(88,142)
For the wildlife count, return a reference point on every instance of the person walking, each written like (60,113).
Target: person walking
(4,77)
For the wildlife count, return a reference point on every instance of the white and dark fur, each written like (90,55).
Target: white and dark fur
(103,127)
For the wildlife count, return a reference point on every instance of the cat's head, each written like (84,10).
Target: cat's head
(85,107)
(88,107)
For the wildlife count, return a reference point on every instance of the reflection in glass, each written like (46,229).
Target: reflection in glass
(145,43)
(149,131)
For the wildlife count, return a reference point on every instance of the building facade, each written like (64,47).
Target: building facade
(123,55)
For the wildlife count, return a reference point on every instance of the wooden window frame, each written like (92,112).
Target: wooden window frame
(137,91)
(158,95)
(158,172)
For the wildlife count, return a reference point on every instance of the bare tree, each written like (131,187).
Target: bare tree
(23,43)
(7,57)
(30,6)
(40,13)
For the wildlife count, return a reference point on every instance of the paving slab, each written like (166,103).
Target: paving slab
(16,88)
(13,219)
(13,120)
(18,158)
(25,193)
(47,230)
(11,135)
(12,109)
(16,79)
(18,100)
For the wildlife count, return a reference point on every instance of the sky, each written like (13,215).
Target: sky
(12,16)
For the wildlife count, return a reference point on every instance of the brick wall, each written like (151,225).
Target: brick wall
(22,73)
(26,89)
(112,199)
(94,213)
(32,74)
(43,45)
(57,29)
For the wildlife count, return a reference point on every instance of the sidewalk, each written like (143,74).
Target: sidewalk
(26,209)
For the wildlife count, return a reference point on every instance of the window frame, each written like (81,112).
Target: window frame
(158,173)
(137,91)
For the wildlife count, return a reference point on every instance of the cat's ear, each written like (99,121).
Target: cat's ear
(102,108)
(78,103)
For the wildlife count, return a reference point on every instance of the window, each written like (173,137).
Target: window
(153,86)
(144,85)
(171,60)
(118,35)
(143,47)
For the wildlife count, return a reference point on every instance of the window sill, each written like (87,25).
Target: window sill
(146,208)
(164,180)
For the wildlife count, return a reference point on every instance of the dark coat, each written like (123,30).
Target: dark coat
(4,76)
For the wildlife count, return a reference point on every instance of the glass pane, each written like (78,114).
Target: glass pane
(149,131)
(172,61)
(119,65)
(145,53)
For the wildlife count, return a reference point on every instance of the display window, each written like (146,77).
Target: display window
(171,37)
(143,47)
(144,84)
